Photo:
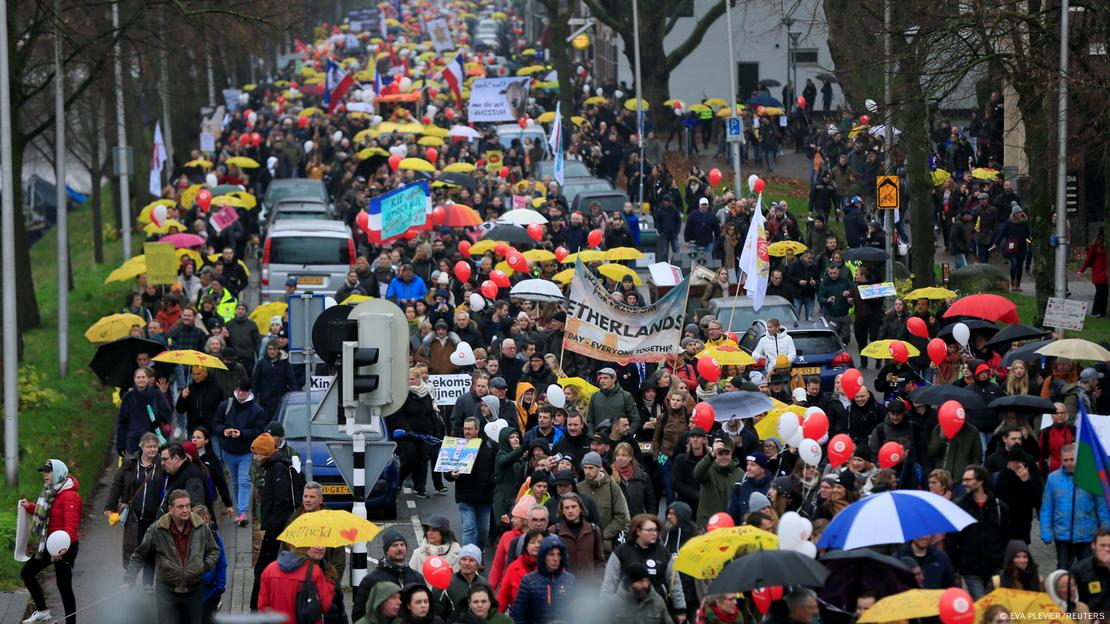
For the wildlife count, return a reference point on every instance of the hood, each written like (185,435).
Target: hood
(521,388)
(549,542)
(379,593)
(682,511)
(494,405)
(1013,547)
(290,560)
(1050,586)
(503,440)
(58,472)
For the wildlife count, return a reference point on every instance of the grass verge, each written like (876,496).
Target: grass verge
(70,418)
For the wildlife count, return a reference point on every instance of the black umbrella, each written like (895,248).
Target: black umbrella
(862,569)
(114,362)
(865,254)
(937,394)
(767,568)
(459,179)
(512,234)
(1025,353)
(1023,403)
(1013,333)
(367,168)
(769,82)
(975,325)
(829,77)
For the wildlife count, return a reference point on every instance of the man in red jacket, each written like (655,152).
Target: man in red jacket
(283,578)
(58,509)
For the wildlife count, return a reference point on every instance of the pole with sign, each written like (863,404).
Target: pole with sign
(888,197)
(305,308)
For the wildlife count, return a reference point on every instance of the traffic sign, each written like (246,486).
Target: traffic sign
(735,128)
(888,194)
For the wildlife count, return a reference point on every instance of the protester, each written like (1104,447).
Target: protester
(58,508)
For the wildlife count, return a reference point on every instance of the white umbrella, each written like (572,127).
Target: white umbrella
(537,290)
(465,132)
(880,131)
(893,518)
(523,217)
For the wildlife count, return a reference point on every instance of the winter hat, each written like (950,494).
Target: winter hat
(565,477)
(443,279)
(1015,209)
(757,378)
(391,537)
(635,572)
(541,476)
(264,445)
(524,507)
(472,551)
(758,502)
(592,459)
(759,458)
(190,449)
(982,368)
(275,319)
(848,480)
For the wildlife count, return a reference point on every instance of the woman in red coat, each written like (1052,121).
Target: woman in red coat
(1096,260)
(283,578)
(58,508)
(521,567)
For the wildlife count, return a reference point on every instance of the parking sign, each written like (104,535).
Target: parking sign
(735,130)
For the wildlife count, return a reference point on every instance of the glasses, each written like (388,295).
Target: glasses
(649,529)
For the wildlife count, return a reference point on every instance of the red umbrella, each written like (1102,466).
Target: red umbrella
(458,215)
(993,308)
(183,240)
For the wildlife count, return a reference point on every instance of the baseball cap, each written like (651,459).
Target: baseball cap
(292,281)
(696,431)
(498,382)
(703,201)
(1089,374)
(276,429)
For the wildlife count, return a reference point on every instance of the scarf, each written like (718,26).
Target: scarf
(626,472)
(422,389)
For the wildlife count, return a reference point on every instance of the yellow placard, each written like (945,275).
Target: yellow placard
(161,263)
(888,193)
(494,160)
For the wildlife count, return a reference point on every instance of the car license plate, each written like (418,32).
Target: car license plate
(808,370)
(310,280)
(337,490)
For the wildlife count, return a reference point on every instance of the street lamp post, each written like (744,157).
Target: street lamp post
(1061,272)
(794,37)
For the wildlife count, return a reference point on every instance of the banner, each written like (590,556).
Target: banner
(161,263)
(604,329)
(439,34)
(498,99)
(224,218)
(877,291)
(403,208)
(449,387)
(457,454)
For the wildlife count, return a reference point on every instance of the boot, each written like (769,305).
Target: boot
(1017,285)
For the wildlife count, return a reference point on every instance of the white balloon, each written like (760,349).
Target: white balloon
(599,91)
(477,303)
(555,396)
(337,136)
(961,333)
(618,94)
(56,542)
(493,429)
(158,214)
(788,425)
(808,549)
(810,452)
(872,107)
(797,438)
(252,118)
(375,120)
(330,302)
(751,182)
(308,145)
(463,355)
(406,84)
(531,123)
(791,526)
(211,179)
(813,410)
(432,110)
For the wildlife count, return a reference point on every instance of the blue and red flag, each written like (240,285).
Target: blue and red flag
(1091,463)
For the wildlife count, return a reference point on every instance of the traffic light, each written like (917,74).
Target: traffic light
(375,358)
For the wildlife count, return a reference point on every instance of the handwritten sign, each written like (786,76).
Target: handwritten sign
(877,291)
(403,208)
(1065,313)
(520,201)
(458,454)
(223,219)
(161,263)
(449,387)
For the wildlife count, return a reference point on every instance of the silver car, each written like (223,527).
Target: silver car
(318,254)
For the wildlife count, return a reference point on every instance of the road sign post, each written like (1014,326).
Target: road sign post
(735,127)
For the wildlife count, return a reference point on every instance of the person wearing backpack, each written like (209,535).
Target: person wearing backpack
(296,586)
(281,489)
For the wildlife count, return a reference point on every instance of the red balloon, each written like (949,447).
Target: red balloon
(704,415)
(864,120)
(437,572)
(841,449)
(709,369)
(733,337)
(363,221)
(292,85)
(561,253)
(951,418)
(394,161)
(899,352)
(816,426)
(504,173)
(426,120)
(431,154)
(851,382)
(714,176)
(523,123)
(956,607)
(535,232)
(501,249)
(719,520)
(594,238)
(489,289)
(256,139)
(759,185)
(890,454)
(759,110)
(517,261)
(916,327)
(499,279)
(938,350)
(464,247)
(302,122)
(438,215)
(764,596)
(449,114)
(463,270)
(204,199)
(801,101)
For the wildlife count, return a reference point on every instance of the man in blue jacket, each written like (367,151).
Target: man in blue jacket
(406,287)
(855,223)
(702,227)
(668,222)
(237,422)
(544,594)
(757,478)
(1072,531)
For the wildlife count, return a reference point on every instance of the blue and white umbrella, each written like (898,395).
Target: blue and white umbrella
(893,518)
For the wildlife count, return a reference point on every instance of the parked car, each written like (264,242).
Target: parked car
(283,188)
(573,186)
(506,133)
(820,351)
(381,497)
(304,208)
(648,234)
(744,315)
(318,253)
(610,200)
(571,169)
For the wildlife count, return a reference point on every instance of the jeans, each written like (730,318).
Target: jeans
(662,245)
(175,608)
(959,261)
(239,480)
(1016,264)
(63,573)
(769,159)
(843,327)
(475,523)
(984,252)
(666,471)
(978,586)
(1067,553)
(804,307)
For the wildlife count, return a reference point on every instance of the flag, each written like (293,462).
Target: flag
(157,161)
(336,86)
(755,262)
(555,141)
(384,27)
(453,73)
(440,35)
(1091,471)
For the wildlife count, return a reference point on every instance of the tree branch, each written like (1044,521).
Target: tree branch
(680,53)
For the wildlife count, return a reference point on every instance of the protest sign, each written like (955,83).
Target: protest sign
(498,99)
(402,209)
(161,263)
(877,291)
(449,387)
(224,218)
(458,454)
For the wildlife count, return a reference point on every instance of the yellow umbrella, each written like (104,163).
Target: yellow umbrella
(596,100)
(586,388)
(564,276)
(250,87)
(773,110)
(699,108)
(150,228)
(1076,349)
(483,246)
(371,151)
(908,605)
(144,214)
(417,164)
(189,195)
(113,327)
(189,357)
(528,71)
(263,313)
(704,556)
(578,121)
(249,201)
(459,167)
(1023,602)
(589,255)
(410,128)
(880,349)
(547,117)
(617,272)
(631,104)
(436,131)
(355,299)
(624,253)
(387,127)
(314,80)
(192,253)
(728,355)
(200,162)
(674,102)
(430,141)
(243,162)
(281,83)
(328,528)
(539,255)
(504,267)
(715,103)
(364,134)
(228,200)
(780,248)
(311,110)
(983,173)
(935,293)
(129,270)
(940,176)
(768,426)
(528,52)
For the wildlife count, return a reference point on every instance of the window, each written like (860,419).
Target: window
(805,56)
(816,343)
(309,250)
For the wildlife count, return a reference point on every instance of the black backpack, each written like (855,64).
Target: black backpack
(309,609)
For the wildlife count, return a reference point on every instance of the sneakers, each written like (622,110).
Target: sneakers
(39,616)
(441,489)
(242,520)
(421,494)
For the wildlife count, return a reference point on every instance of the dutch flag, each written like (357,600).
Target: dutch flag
(337,84)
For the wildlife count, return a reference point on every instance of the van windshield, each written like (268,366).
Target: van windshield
(309,250)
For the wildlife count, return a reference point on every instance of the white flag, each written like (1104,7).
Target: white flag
(157,161)
(755,262)
(555,142)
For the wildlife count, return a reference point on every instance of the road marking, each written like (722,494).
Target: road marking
(411,504)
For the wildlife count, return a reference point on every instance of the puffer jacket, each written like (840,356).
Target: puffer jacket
(716,486)
(65,511)
(542,594)
(283,579)
(611,506)
(133,419)
(272,379)
(520,567)
(1056,512)
(203,554)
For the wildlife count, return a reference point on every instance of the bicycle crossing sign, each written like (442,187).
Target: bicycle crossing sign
(735,130)
(888,192)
